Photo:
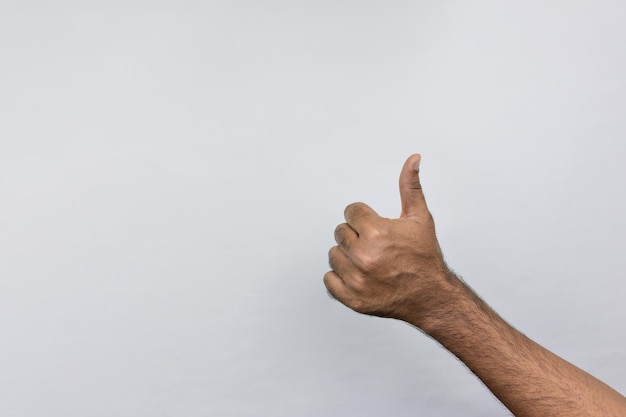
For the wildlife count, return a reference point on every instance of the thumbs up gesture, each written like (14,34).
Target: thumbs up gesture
(392,267)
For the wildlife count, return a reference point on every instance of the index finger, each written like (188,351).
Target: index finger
(359,215)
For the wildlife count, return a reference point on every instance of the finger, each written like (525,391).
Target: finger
(336,287)
(339,261)
(359,215)
(345,236)
(411,194)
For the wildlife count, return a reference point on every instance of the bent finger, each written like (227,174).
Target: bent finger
(359,215)
(345,236)
(336,287)
(339,261)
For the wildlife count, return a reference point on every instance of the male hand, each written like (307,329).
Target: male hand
(394,268)
(391,267)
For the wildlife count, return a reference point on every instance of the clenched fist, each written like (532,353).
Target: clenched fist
(392,267)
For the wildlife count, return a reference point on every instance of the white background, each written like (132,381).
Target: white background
(171,174)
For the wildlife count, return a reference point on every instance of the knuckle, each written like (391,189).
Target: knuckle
(327,283)
(364,261)
(376,233)
(326,279)
(352,209)
(340,233)
(357,283)
(348,211)
(331,257)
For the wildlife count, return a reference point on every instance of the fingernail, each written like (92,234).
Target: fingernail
(417,164)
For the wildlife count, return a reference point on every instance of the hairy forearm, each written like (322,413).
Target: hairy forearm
(529,380)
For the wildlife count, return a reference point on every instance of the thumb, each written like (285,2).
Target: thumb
(413,202)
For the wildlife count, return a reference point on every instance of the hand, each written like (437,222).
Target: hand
(391,267)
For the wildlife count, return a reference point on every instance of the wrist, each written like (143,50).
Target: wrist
(456,308)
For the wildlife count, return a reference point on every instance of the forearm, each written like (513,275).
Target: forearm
(529,380)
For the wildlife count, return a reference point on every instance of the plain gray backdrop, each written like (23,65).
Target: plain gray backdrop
(171,174)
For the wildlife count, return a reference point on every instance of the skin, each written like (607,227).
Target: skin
(394,268)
